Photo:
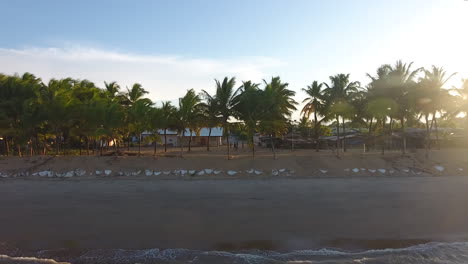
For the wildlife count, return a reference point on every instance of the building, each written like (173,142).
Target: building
(174,139)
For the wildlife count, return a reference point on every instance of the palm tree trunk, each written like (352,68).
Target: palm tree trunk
(316,131)
(383,136)
(272,146)
(31,147)
(369,133)
(128,143)
(56,145)
(227,141)
(344,137)
(80,138)
(426,145)
(190,140)
(87,145)
(403,135)
(155,146)
(139,144)
(390,146)
(18,146)
(208,143)
(165,139)
(7,147)
(337,136)
(437,133)
(253,146)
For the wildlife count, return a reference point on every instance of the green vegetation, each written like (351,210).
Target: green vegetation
(61,115)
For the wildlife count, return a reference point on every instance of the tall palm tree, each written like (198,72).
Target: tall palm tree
(432,97)
(112,89)
(401,84)
(188,114)
(168,115)
(338,95)
(249,109)
(225,94)
(210,110)
(278,105)
(138,113)
(315,104)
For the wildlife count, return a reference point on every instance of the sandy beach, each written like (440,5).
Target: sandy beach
(307,210)
(231,214)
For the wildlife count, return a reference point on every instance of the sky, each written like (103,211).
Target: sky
(174,45)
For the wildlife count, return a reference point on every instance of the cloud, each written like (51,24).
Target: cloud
(165,77)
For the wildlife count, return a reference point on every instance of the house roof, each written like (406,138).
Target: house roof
(215,132)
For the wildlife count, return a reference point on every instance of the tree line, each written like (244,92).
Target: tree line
(66,114)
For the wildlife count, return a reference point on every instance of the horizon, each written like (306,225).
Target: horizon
(172,47)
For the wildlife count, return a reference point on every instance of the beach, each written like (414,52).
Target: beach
(222,214)
(339,209)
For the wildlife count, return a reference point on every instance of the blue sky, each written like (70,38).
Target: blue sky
(170,46)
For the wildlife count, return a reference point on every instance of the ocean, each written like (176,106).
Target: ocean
(430,253)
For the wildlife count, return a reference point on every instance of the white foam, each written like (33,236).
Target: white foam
(217,172)
(192,172)
(43,173)
(257,172)
(355,170)
(274,172)
(208,171)
(346,169)
(250,171)
(201,173)
(382,170)
(282,170)
(405,170)
(371,170)
(107,172)
(69,174)
(166,172)
(98,172)
(323,171)
(439,168)
(136,173)
(460,169)
(231,172)
(156,173)
(148,172)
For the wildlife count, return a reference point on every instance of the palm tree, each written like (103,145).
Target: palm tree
(128,99)
(249,109)
(338,96)
(401,85)
(315,103)
(210,112)
(112,89)
(55,101)
(278,104)
(155,122)
(139,112)
(168,114)
(431,97)
(225,94)
(188,114)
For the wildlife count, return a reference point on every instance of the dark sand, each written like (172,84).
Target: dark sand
(280,214)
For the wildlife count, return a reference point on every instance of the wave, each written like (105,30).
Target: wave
(430,253)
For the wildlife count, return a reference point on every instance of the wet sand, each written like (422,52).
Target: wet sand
(281,214)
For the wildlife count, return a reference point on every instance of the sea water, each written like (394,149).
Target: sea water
(431,253)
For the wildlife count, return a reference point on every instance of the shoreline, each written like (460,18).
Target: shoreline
(214,214)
